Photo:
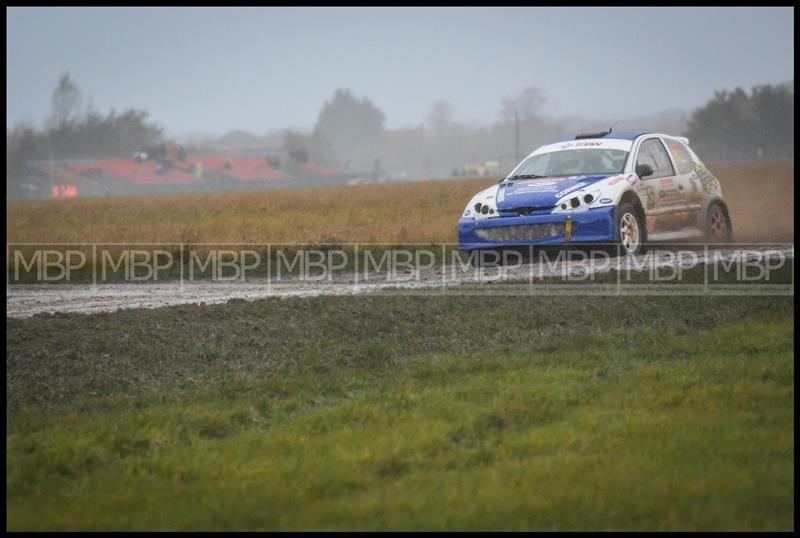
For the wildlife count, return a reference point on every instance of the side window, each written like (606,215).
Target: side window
(652,152)
(681,156)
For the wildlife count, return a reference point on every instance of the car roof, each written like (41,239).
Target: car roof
(621,135)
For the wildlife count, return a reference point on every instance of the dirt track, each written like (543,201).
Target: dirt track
(761,200)
(29,300)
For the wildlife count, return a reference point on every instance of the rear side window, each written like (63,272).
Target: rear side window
(681,156)
(652,152)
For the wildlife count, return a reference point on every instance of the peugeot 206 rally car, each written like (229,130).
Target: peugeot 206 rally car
(623,188)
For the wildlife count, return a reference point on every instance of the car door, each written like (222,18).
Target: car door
(686,178)
(666,198)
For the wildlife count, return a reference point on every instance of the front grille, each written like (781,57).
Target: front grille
(524,211)
(522,232)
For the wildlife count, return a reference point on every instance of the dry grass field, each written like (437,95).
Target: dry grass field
(760,197)
(425,211)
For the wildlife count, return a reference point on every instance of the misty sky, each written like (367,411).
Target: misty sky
(213,70)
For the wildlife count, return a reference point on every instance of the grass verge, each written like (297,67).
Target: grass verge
(406,413)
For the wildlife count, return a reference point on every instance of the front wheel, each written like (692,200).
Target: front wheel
(630,230)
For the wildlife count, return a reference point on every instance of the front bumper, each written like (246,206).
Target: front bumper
(593,225)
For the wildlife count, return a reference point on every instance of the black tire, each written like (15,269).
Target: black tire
(718,224)
(630,230)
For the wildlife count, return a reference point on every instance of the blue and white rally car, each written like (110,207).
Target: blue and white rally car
(625,188)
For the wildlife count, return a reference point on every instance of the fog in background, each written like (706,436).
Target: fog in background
(371,94)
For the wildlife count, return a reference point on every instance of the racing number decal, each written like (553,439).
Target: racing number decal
(651,197)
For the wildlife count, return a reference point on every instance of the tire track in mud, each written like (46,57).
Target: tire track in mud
(32,299)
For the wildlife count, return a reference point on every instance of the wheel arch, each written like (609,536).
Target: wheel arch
(707,203)
(630,197)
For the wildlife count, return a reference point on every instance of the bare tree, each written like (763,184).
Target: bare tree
(65,103)
(528,103)
(440,119)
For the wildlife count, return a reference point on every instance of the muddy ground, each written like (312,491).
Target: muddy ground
(29,300)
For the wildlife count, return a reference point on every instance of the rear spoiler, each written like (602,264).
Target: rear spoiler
(683,139)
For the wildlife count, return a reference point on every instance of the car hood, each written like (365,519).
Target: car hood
(542,192)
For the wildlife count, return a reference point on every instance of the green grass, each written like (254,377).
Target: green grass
(437,413)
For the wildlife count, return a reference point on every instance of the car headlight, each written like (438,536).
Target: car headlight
(480,209)
(483,209)
(578,201)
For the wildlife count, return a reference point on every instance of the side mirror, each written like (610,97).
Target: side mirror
(644,170)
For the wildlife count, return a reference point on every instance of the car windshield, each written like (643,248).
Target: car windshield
(572,162)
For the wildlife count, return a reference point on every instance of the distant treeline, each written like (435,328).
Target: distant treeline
(72,133)
(737,127)
(349,134)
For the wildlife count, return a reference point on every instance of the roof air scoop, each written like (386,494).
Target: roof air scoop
(596,135)
(591,135)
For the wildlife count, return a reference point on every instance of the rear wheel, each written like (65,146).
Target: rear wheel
(630,230)
(718,225)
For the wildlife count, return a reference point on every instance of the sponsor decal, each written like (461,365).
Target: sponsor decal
(707,179)
(467,212)
(580,145)
(612,143)
(666,181)
(630,178)
(670,196)
(605,200)
(535,186)
(570,189)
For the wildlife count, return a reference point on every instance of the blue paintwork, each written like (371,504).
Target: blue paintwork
(516,193)
(593,225)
